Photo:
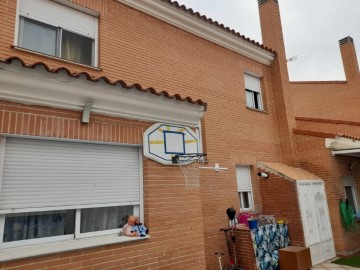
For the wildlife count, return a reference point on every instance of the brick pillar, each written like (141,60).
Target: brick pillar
(348,55)
(273,37)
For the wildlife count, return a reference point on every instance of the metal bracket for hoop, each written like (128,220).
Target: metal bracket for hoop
(216,168)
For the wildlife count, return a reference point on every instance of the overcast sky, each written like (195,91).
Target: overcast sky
(312,29)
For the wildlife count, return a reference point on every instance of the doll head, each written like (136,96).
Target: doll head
(137,220)
(131,220)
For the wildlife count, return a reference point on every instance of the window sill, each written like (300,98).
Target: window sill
(256,110)
(56,58)
(65,246)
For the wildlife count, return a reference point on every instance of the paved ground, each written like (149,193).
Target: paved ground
(332,266)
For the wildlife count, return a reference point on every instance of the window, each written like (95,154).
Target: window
(350,191)
(53,29)
(253,92)
(55,190)
(243,177)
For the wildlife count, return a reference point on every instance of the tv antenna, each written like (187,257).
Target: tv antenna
(292,58)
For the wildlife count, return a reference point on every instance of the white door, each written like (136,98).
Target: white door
(316,221)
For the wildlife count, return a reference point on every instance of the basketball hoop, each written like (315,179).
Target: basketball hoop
(190,167)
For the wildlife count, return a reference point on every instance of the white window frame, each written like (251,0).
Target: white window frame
(138,209)
(241,198)
(255,92)
(349,181)
(248,191)
(94,62)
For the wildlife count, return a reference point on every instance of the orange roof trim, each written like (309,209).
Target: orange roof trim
(323,134)
(287,172)
(348,136)
(123,84)
(217,24)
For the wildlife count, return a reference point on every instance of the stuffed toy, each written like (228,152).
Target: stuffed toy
(134,227)
(139,228)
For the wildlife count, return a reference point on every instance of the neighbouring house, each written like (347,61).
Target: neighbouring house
(327,133)
(81,84)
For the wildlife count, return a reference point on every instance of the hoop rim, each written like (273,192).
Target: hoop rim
(187,157)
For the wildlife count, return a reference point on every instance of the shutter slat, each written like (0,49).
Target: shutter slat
(42,173)
(252,83)
(243,178)
(56,14)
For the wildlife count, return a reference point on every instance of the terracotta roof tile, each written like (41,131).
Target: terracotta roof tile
(123,84)
(348,136)
(287,172)
(217,24)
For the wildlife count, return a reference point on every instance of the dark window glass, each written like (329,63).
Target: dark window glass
(244,200)
(104,218)
(43,38)
(38,225)
(350,197)
(76,48)
(37,36)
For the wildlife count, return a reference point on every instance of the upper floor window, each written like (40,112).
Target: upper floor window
(253,92)
(243,178)
(51,28)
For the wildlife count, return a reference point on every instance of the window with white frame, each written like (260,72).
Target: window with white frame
(243,178)
(54,29)
(253,92)
(350,192)
(60,190)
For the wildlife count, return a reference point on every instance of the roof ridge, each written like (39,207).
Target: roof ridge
(217,24)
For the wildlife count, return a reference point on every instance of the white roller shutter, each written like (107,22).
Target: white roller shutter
(243,178)
(252,83)
(56,14)
(67,175)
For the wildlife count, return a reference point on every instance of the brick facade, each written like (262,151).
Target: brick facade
(184,224)
(324,109)
(315,158)
(137,48)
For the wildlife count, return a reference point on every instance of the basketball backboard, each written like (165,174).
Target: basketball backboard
(163,141)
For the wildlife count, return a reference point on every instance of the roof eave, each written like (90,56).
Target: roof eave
(343,145)
(187,22)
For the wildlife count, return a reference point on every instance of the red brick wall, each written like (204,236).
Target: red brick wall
(280,198)
(336,101)
(137,48)
(315,158)
(244,249)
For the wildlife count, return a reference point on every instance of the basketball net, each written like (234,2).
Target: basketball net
(191,172)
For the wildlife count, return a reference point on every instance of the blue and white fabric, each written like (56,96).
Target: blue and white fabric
(267,240)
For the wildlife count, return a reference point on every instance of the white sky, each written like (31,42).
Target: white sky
(312,29)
